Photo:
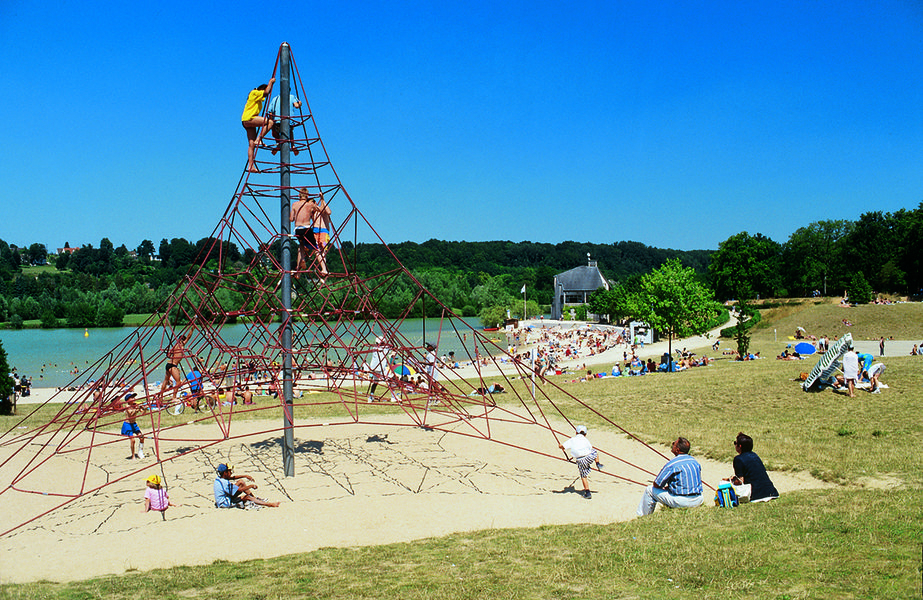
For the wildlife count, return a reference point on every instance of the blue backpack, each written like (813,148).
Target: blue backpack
(725,496)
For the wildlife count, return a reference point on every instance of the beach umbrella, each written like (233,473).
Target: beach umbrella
(828,361)
(805,348)
(401,370)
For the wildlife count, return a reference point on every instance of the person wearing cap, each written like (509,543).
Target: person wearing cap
(584,455)
(130,425)
(231,491)
(155,497)
(679,483)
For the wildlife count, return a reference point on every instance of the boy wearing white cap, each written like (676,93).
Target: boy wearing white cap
(584,455)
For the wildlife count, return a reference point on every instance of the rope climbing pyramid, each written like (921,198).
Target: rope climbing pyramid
(268,326)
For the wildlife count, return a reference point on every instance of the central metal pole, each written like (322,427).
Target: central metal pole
(288,446)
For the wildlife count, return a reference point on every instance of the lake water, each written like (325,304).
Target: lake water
(49,356)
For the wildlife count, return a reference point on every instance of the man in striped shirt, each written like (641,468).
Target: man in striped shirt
(679,483)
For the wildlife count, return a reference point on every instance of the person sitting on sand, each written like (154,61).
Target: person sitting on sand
(231,492)
(155,497)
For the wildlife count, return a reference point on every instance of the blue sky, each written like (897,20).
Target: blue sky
(672,124)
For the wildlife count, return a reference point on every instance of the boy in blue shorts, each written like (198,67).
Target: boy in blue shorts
(130,426)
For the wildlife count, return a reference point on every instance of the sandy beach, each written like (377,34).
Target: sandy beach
(354,485)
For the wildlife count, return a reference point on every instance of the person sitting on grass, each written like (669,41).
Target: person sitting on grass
(749,469)
(679,483)
(230,491)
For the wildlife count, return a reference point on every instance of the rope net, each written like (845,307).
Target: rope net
(351,365)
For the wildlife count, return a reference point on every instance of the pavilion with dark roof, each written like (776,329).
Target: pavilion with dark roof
(573,288)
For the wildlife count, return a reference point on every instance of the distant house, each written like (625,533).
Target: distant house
(66,251)
(573,288)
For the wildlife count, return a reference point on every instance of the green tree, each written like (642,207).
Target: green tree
(145,250)
(742,330)
(673,301)
(871,244)
(493,292)
(49,321)
(109,315)
(493,316)
(908,226)
(814,257)
(81,314)
(61,262)
(746,266)
(37,254)
(619,301)
(859,290)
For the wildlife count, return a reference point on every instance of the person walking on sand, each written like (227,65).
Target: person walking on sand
(584,455)
(130,427)
(251,120)
(881,346)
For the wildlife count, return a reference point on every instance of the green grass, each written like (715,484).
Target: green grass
(855,540)
(39,269)
(869,321)
(135,319)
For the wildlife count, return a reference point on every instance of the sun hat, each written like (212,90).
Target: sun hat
(581,429)
(154,479)
(223,467)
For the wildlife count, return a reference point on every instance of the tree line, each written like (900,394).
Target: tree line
(98,286)
(880,252)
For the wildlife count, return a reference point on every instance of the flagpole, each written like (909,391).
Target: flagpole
(524,314)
